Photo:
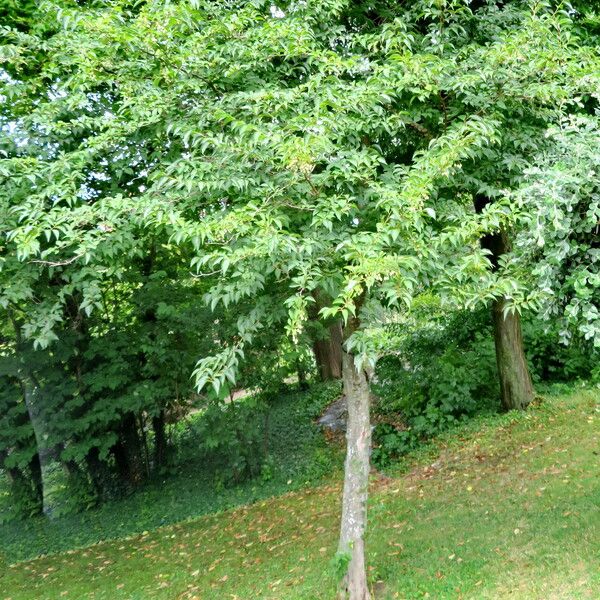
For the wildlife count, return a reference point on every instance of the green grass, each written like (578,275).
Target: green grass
(507,507)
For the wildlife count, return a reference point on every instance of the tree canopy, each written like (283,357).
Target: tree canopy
(183,181)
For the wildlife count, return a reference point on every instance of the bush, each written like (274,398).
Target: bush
(271,435)
(445,370)
(230,440)
(552,361)
(440,374)
(296,444)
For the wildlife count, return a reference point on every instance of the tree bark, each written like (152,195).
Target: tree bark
(328,353)
(36,477)
(356,480)
(516,387)
(31,390)
(133,449)
(515,381)
(327,341)
(128,452)
(31,393)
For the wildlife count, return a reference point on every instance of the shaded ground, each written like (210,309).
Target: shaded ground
(298,456)
(509,508)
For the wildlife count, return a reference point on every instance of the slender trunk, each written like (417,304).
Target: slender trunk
(36,477)
(516,387)
(32,398)
(142,425)
(160,439)
(302,383)
(356,480)
(31,390)
(133,449)
(328,353)
(266,433)
(515,382)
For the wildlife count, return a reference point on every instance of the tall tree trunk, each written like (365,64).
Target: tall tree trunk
(36,477)
(32,397)
(132,444)
(516,387)
(356,480)
(122,464)
(328,353)
(266,424)
(515,381)
(128,452)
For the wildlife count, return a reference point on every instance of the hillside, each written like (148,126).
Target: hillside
(508,507)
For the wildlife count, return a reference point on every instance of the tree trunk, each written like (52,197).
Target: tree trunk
(128,452)
(32,399)
(31,390)
(356,480)
(160,439)
(121,462)
(36,477)
(133,449)
(516,388)
(328,353)
(515,382)
(266,424)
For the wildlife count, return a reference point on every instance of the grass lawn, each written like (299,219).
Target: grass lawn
(508,507)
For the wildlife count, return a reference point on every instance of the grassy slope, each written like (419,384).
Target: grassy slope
(300,457)
(509,509)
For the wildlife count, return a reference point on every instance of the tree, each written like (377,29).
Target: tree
(516,388)
(557,239)
(330,149)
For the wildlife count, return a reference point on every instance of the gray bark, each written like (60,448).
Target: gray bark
(33,402)
(356,480)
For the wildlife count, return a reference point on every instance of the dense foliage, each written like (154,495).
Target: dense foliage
(194,194)
(296,455)
(445,372)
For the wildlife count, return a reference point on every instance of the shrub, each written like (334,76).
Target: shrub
(439,375)
(228,440)
(553,361)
